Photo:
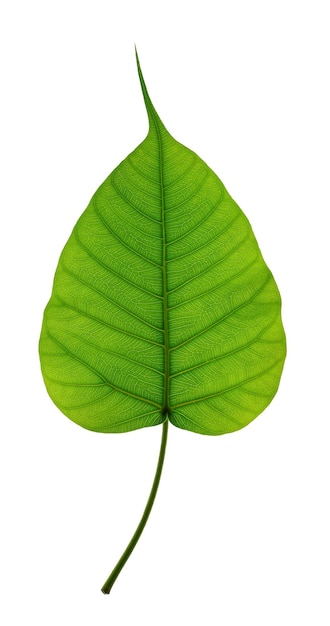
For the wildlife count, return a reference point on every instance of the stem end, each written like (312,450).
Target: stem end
(116,571)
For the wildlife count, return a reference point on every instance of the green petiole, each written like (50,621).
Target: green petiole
(125,556)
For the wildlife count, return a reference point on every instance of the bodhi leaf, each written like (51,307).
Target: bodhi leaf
(162,307)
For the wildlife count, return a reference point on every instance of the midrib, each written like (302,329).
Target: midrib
(166,408)
(153,116)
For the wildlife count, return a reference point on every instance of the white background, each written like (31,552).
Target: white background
(239,534)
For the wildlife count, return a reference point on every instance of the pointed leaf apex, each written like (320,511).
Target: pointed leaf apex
(154,119)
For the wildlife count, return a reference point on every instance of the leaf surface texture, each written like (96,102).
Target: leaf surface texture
(162,305)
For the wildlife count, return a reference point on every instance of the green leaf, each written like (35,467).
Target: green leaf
(162,305)
(162,308)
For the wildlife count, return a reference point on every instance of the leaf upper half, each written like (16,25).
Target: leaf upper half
(162,304)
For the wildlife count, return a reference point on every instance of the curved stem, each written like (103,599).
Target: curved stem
(125,556)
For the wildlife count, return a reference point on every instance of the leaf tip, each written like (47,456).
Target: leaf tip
(153,116)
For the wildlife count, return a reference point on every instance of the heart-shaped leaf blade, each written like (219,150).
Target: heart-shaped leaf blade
(162,304)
